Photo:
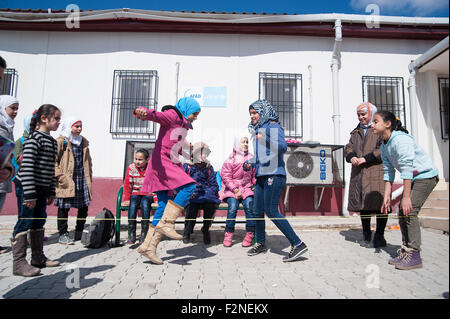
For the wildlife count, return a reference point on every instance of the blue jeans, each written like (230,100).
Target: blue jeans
(19,195)
(34,218)
(233,205)
(145,201)
(267,195)
(184,194)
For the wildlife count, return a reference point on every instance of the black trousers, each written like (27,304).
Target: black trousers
(209,211)
(63,214)
(381,221)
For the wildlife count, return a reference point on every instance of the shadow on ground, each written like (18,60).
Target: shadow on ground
(356,236)
(61,284)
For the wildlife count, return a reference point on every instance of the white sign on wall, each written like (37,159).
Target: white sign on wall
(208,96)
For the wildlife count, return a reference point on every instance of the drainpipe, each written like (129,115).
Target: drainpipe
(412,99)
(335,66)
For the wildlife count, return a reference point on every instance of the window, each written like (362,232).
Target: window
(9,83)
(443,106)
(386,93)
(284,92)
(130,152)
(130,90)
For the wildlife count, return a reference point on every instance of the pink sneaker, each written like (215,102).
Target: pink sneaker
(248,239)
(228,239)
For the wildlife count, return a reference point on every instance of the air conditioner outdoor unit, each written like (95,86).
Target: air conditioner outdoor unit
(309,165)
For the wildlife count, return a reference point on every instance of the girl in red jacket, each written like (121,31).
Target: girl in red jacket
(133,196)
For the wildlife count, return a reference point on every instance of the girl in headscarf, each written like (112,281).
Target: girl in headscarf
(73,170)
(366,181)
(237,188)
(9,106)
(269,145)
(165,172)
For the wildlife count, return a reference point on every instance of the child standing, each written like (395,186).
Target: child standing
(205,196)
(133,196)
(9,106)
(366,182)
(37,175)
(165,171)
(73,169)
(237,188)
(269,145)
(400,151)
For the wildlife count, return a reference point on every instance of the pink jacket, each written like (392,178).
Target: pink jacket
(233,176)
(162,173)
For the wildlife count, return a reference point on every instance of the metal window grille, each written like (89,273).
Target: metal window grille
(130,90)
(9,83)
(284,92)
(386,93)
(443,105)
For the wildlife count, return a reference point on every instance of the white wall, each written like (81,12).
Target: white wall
(75,72)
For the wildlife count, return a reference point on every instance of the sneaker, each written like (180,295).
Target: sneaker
(296,252)
(411,260)
(257,249)
(248,239)
(228,239)
(64,239)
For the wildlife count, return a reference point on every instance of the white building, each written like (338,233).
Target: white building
(315,69)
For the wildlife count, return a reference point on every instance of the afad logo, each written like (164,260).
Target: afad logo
(323,165)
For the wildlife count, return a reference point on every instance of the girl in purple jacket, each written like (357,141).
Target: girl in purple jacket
(165,172)
(237,188)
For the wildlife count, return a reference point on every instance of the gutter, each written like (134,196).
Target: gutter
(413,68)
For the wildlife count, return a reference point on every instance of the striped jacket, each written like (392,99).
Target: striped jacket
(134,180)
(38,165)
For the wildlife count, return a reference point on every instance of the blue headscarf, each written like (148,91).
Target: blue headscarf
(266,114)
(26,123)
(187,106)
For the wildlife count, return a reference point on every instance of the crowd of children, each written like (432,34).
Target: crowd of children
(47,171)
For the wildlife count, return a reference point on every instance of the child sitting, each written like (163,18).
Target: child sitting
(133,196)
(237,188)
(205,196)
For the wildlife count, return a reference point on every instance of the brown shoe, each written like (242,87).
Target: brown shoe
(19,249)
(150,253)
(166,225)
(38,259)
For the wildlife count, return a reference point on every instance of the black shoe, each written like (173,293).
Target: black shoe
(186,238)
(367,239)
(78,235)
(257,249)
(379,241)
(296,252)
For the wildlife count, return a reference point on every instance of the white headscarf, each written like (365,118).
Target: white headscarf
(5,120)
(370,109)
(66,130)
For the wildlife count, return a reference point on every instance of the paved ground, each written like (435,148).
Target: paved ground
(335,267)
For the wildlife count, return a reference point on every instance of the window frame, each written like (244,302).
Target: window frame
(381,107)
(127,129)
(297,102)
(12,90)
(441,106)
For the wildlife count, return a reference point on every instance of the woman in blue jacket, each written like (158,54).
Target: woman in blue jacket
(269,146)
(205,196)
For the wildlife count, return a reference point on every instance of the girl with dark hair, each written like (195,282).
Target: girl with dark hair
(366,182)
(165,172)
(74,184)
(399,151)
(269,145)
(37,175)
(133,196)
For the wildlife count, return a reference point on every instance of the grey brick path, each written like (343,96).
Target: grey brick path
(335,267)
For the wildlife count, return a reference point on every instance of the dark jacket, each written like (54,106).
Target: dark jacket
(207,188)
(366,188)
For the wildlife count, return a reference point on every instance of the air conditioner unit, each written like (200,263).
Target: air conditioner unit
(308,165)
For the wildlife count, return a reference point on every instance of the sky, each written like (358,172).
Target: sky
(414,8)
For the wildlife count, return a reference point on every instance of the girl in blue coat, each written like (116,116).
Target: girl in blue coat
(269,146)
(205,196)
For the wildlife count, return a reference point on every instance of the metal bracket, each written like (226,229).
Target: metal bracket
(317,203)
